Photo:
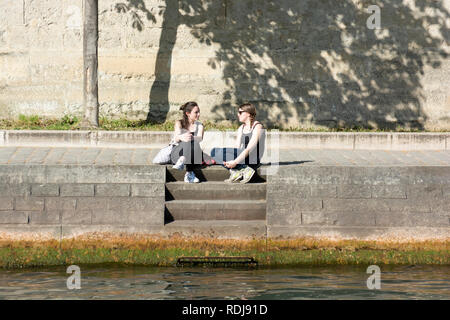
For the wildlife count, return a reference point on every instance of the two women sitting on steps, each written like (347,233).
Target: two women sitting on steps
(242,161)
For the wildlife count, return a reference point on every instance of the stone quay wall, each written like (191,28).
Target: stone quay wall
(312,63)
(53,201)
(361,202)
(366,203)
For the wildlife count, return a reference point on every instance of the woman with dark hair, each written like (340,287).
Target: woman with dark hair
(250,144)
(188,134)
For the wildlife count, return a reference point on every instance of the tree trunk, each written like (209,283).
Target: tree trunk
(90,63)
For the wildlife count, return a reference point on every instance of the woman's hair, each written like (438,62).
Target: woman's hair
(248,107)
(187,107)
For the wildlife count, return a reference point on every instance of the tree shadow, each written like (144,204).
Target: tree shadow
(311,61)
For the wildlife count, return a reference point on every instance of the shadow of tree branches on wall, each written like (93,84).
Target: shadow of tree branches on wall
(309,61)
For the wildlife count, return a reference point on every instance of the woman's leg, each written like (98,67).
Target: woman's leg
(176,153)
(222,155)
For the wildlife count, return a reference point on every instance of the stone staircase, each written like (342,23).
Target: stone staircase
(213,202)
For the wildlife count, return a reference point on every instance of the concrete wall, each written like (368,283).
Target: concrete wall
(274,140)
(303,62)
(50,201)
(387,203)
(361,202)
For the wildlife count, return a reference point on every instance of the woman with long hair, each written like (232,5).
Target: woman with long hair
(188,134)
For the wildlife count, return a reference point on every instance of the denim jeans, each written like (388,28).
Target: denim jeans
(228,154)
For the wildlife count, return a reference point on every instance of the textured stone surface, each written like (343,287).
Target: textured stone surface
(354,197)
(42,190)
(13,217)
(6,203)
(77,190)
(46,218)
(112,190)
(310,63)
(29,204)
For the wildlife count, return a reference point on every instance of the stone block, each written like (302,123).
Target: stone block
(55,67)
(424,192)
(29,204)
(354,191)
(77,190)
(154,217)
(14,69)
(324,175)
(36,137)
(110,217)
(45,190)
(147,190)
(45,217)
(379,175)
(83,217)
(12,12)
(323,191)
(52,204)
(409,205)
(112,190)
(373,141)
(17,190)
(86,174)
(286,217)
(287,191)
(418,141)
(446,191)
(89,203)
(441,205)
(389,192)
(428,175)
(359,205)
(276,209)
(133,204)
(13,217)
(6,203)
(341,218)
(412,219)
(312,140)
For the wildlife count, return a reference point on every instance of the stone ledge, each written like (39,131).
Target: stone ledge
(286,140)
(228,230)
(360,233)
(80,174)
(30,232)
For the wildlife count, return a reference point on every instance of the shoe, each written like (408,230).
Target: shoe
(247,175)
(235,175)
(180,164)
(190,177)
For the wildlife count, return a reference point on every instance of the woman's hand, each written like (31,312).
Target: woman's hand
(230,164)
(186,137)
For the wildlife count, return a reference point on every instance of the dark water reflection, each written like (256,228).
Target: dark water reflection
(113,282)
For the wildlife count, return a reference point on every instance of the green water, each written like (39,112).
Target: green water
(337,282)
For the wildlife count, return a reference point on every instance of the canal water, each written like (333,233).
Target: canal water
(133,282)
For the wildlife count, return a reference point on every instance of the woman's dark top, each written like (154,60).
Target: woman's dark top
(255,155)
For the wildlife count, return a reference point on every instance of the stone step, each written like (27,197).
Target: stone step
(212,190)
(211,173)
(215,210)
(223,229)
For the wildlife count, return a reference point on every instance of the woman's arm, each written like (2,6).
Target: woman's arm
(252,144)
(179,135)
(199,137)
(239,136)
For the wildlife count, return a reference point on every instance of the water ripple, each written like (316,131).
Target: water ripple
(340,282)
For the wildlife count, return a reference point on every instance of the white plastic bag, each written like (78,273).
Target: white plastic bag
(163,156)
